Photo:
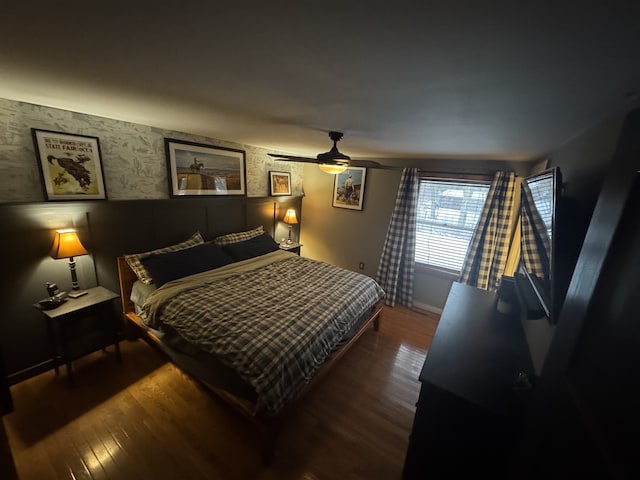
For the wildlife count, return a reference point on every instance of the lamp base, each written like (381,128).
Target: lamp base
(77,293)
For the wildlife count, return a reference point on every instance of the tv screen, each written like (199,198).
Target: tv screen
(539,203)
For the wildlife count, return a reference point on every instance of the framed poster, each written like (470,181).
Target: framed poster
(198,169)
(70,165)
(279,183)
(348,188)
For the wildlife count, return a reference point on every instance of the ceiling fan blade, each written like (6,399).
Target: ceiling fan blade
(293,158)
(347,163)
(371,164)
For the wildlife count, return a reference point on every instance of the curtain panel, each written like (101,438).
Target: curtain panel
(487,254)
(536,247)
(396,269)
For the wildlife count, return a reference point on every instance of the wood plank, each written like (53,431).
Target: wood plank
(144,418)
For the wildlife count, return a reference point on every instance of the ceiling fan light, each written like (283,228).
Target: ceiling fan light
(332,169)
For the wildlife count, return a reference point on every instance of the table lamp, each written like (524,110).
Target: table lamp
(291,219)
(66,244)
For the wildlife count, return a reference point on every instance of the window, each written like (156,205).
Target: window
(448,211)
(541,188)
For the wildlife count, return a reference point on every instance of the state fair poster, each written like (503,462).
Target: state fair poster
(70,165)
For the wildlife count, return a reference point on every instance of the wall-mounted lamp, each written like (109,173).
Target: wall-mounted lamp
(66,244)
(333,169)
(291,219)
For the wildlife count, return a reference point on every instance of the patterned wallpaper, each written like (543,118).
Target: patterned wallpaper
(133,155)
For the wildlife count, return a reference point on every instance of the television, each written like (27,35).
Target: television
(535,280)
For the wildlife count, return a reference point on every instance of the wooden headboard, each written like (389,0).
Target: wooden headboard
(126,278)
(146,225)
(141,226)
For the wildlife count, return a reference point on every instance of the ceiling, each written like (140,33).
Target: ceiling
(474,79)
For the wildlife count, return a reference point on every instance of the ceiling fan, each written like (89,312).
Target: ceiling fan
(333,161)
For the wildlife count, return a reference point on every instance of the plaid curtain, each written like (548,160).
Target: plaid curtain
(489,246)
(535,244)
(397,262)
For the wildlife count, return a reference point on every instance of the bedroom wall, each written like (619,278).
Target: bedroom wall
(347,237)
(584,162)
(133,156)
(133,160)
(342,236)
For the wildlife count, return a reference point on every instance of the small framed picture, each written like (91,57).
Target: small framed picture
(70,165)
(197,169)
(348,188)
(279,183)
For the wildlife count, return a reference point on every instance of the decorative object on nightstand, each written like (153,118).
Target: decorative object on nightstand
(66,244)
(291,219)
(55,298)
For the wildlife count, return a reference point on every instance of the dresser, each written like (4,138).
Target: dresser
(469,409)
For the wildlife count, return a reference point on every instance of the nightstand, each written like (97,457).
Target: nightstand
(291,247)
(68,340)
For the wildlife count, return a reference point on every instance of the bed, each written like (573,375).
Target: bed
(254,324)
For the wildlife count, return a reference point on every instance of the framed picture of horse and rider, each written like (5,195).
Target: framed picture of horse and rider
(348,188)
(70,165)
(199,169)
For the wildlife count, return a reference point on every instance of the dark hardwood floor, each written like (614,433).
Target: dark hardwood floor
(143,418)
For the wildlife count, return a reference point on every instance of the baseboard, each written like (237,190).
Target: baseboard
(27,373)
(427,308)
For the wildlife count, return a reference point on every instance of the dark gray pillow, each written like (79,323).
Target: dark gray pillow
(135,260)
(170,266)
(251,248)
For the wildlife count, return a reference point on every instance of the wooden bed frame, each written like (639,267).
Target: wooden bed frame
(269,427)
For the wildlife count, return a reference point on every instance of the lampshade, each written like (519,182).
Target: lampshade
(66,244)
(290,217)
(332,169)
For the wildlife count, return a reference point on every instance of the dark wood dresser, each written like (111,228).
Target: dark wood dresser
(469,409)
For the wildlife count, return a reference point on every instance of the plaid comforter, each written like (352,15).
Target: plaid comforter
(274,319)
